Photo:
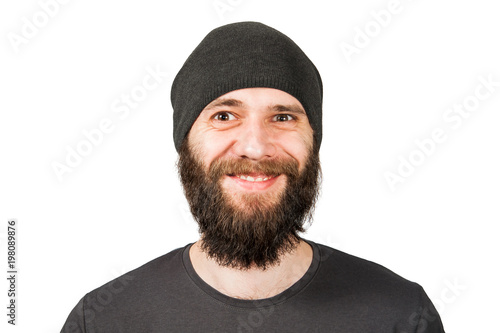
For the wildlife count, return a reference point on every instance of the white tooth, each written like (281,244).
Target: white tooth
(258,179)
(242,177)
(265,179)
(250,179)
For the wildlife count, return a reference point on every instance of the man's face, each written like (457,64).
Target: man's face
(250,174)
(254,124)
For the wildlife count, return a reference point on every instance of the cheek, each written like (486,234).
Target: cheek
(298,147)
(210,145)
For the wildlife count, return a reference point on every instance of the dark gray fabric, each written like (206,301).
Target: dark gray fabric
(339,293)
(244,55)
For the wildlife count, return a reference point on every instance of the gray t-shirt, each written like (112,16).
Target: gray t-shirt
(338,293)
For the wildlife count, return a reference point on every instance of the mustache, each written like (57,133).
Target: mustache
(272,167)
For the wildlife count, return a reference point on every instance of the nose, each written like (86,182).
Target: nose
(254,142)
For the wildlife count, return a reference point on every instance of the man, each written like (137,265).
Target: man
(247,125)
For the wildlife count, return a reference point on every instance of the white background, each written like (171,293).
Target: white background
(123,206)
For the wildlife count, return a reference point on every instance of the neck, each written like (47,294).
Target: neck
(253,283)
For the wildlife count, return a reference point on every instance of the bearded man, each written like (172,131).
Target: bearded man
(247,125)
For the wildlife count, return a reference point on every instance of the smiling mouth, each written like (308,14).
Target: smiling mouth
(254,177)
(254,180)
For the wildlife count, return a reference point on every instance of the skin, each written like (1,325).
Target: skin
(253,124)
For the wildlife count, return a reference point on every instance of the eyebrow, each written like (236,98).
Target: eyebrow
(292,108)
(224,102)
(231,102)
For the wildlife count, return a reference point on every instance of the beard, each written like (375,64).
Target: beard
(249,229)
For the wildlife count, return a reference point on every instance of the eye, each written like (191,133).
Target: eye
(224,116)
(283,117)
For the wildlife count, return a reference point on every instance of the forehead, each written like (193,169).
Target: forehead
(268,98)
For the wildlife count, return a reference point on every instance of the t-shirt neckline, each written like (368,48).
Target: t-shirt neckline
(282,297)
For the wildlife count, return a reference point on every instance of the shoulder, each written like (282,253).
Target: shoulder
(345,265)
(162,276)
(364,281)
(362,289)
(122,298)
(145,278)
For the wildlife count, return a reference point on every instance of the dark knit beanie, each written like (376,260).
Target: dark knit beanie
(244,55)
